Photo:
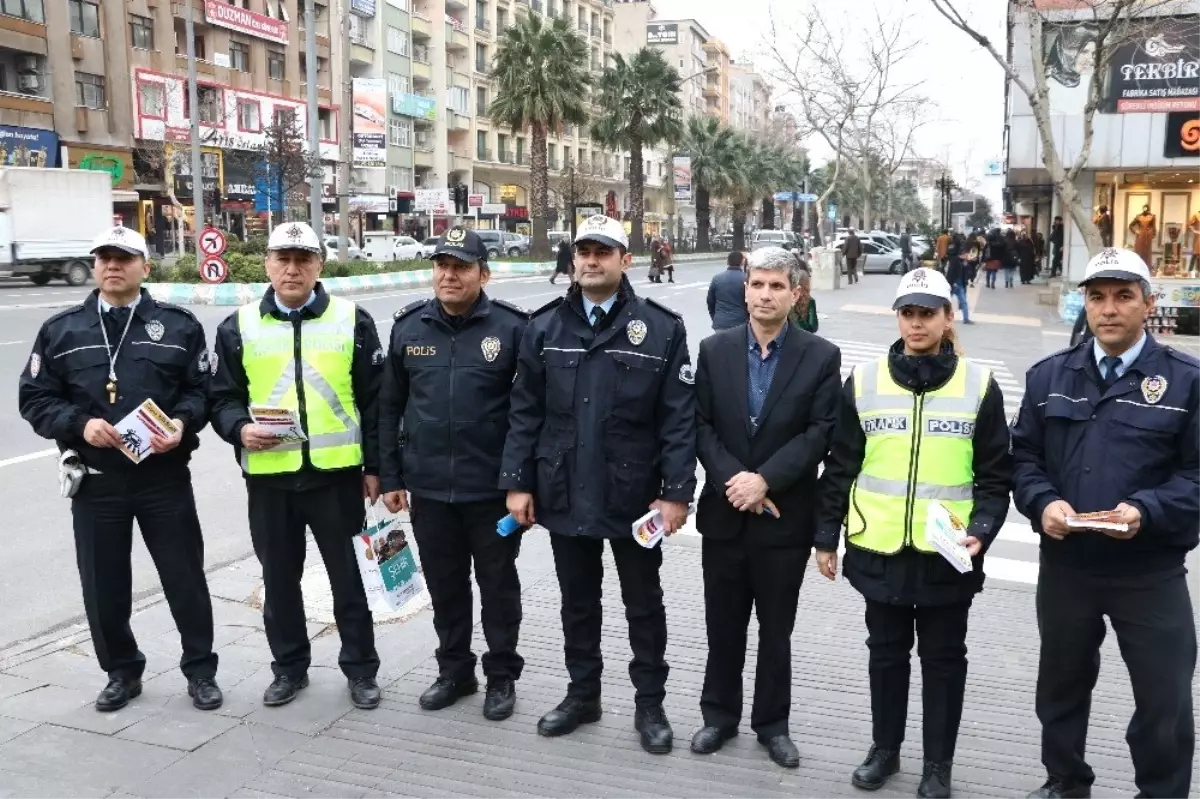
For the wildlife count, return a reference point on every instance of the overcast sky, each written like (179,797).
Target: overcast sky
(964,82)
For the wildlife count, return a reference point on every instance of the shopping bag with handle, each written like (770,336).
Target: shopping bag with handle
(386,561)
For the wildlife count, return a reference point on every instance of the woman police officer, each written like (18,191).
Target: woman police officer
(920,425)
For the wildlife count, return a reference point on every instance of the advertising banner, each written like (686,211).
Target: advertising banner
(21,146)
(1183,135)
(682,166)
(414,105)
(118,163)
(370,122)
(432,201)
(363,8)
(1157,70)
(233,18)
(662,33)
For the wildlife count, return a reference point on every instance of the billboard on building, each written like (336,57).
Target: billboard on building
(432,201)
(20,146)
(682,169)
(662,33)
(414,105)
(1183,135)
(238,19)
(363,8)
(1156,69)
(370,122)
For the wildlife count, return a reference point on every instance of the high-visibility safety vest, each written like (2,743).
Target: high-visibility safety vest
(324,397)
(919,449)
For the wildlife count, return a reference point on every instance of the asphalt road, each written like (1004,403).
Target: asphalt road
(39,588)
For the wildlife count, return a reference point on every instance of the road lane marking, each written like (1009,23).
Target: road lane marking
(7,343)
(31,456)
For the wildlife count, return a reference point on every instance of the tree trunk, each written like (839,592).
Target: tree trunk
(798,210)
(637,183)
(539,249)
(739,226)
(703,219)
(768,213)
(868,188)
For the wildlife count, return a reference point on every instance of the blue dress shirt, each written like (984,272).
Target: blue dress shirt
(761,371)
(1127,357)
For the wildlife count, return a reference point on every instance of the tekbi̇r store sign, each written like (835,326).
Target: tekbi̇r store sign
(1157,69)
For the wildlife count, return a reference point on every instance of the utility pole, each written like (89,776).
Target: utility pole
(314,132)
(194,106)
(345,122)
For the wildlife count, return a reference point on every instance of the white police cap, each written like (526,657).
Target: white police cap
(1115,264)
(603,229)
(121,238)
(925,287)
(295,236)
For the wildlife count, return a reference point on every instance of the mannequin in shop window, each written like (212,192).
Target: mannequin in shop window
(1104,224)
(1144,228)
(1194,242)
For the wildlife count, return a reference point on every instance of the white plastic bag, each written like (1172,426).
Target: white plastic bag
(387,564)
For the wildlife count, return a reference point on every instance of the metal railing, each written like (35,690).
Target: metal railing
(523,159)
(484,25)
(483,154)
(506,157)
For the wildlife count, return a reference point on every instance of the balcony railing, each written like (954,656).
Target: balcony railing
(552,164)
(484,25)
(506,157)
(483,154)
(482,68)
(523,159)
(423,144)
(608,38)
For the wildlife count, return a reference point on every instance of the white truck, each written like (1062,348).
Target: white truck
(48,219)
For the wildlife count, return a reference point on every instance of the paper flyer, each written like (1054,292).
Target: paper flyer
(945,533)
(1100,520)
(649,529)
(144,421)
(283,422)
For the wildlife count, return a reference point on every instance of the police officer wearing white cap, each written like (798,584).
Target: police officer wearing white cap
(919,426)
(317,356)
(91,366)
(602,430)
(1110,426)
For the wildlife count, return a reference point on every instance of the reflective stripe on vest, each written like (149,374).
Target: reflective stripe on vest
(330,417)
(919,449)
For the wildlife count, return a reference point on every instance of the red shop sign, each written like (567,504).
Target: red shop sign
(245,21)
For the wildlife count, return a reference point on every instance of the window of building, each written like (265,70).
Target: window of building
(551,154)
(285,117)
(181,40)
(25,9)
(401,178)
(501,20)
(141,32)
(212,105)
(520,150)
(481,58)
(275,64)
(400,132)
(89,91)
(239,56)
(398,84)
(481,101)
(456,98)
(397,41)
(481,145)
(502,148)
(325,124)
(400,4)
(248,113)
(151,100)
(85,17)
(481,15)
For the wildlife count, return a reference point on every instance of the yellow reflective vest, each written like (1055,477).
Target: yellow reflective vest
(324,395)
(919,449)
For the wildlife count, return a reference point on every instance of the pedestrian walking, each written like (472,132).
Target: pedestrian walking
(443,415)
(996,254)
(727,294)
(1027,257)
(1039,251)
(1012,257)
(668,254)
(562,262)
(657,261)
(956,275)
(91,366)
(301,354)
(754,457)
(906,250)
(852,251)
(942,247)
(922,426)
(601,431)
(1056,247)
(1108,434)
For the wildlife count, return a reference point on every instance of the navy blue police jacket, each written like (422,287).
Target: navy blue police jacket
(164,358)
(443,408)
(602,422)
(1137,443)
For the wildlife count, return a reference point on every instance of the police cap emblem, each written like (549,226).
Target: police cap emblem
(456,234)
(491,348)
(294,232)
(1153,388)
(155,330)
(635,331)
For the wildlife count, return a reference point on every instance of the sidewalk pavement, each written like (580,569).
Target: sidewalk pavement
(53,743)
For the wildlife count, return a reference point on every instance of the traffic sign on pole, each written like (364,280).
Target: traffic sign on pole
(806,198)
(214,269)
(212,241)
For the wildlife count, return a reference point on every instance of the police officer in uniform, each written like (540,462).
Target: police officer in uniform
(601,431)
(319,357)
(91,366)
(442,421)
(1110,426)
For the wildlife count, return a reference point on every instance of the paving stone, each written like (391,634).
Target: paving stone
(179,728)
(48,703)
(323,702)
(86,717)
(18,784)
(11,728)
(85,757)
(74,667)
(12,684)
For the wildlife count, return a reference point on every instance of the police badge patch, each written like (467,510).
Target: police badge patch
(212,362)
(455,235)
(35,364)
(1153,388)
(377,356)
(203,363)
(491,348)
(155,330)
(687,375)
(635,331)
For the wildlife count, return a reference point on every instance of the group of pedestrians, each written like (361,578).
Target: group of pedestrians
(586,415)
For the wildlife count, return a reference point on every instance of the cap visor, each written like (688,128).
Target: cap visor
(455,252)
(300,247)
(121,247)
(923,300)
(605,240)
(1112,274)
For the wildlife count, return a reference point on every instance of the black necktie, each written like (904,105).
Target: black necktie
(115,320)
(1108,370)
(597,316)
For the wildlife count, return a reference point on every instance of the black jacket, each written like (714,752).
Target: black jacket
(231,391)
(563,258)
(792,438)
(727,298)
(911,577)
(1096,450)
(443,408)
(164,358)
(602,422)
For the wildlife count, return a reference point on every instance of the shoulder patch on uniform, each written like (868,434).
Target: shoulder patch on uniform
(173,307)
(1182,356)
(550,306)
(408,309)
(524,314)
(660,306)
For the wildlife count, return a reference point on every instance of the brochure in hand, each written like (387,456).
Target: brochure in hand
(283,422)
(649,529)
(945,532)
(144,421)
(1100,520)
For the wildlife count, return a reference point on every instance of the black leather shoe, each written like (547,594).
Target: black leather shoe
(445,691)
(782,751)
(364,693)
(710,739)
(654,729)
(205,694)
(1056,787)
(935,780)
(117,694)
(500,699)
(569,714)
(875,770)
(283,690)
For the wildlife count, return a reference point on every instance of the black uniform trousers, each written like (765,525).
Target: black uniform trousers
(450,535)
(1151,615)
(737,577)
(334,512)
(579,563)
(103,512)
(941,633)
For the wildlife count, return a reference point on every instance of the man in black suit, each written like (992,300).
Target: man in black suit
(760,439)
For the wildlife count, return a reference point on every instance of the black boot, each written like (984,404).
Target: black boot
(1055,787)
(935,780)
(874,772)
(654,730)
(283,690)
(569,714)
(500,699)
(117,694)
(205,694)
(365,693)
(445,691)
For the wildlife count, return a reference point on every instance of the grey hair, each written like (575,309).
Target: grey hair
(774,259)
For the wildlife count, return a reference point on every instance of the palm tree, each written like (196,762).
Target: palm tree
(640,99)
(753,174)
(710,145)
(542,80)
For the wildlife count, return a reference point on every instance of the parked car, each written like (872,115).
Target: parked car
(427,247)
(500,242)
(773,238)
(332,249)
(877,258)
